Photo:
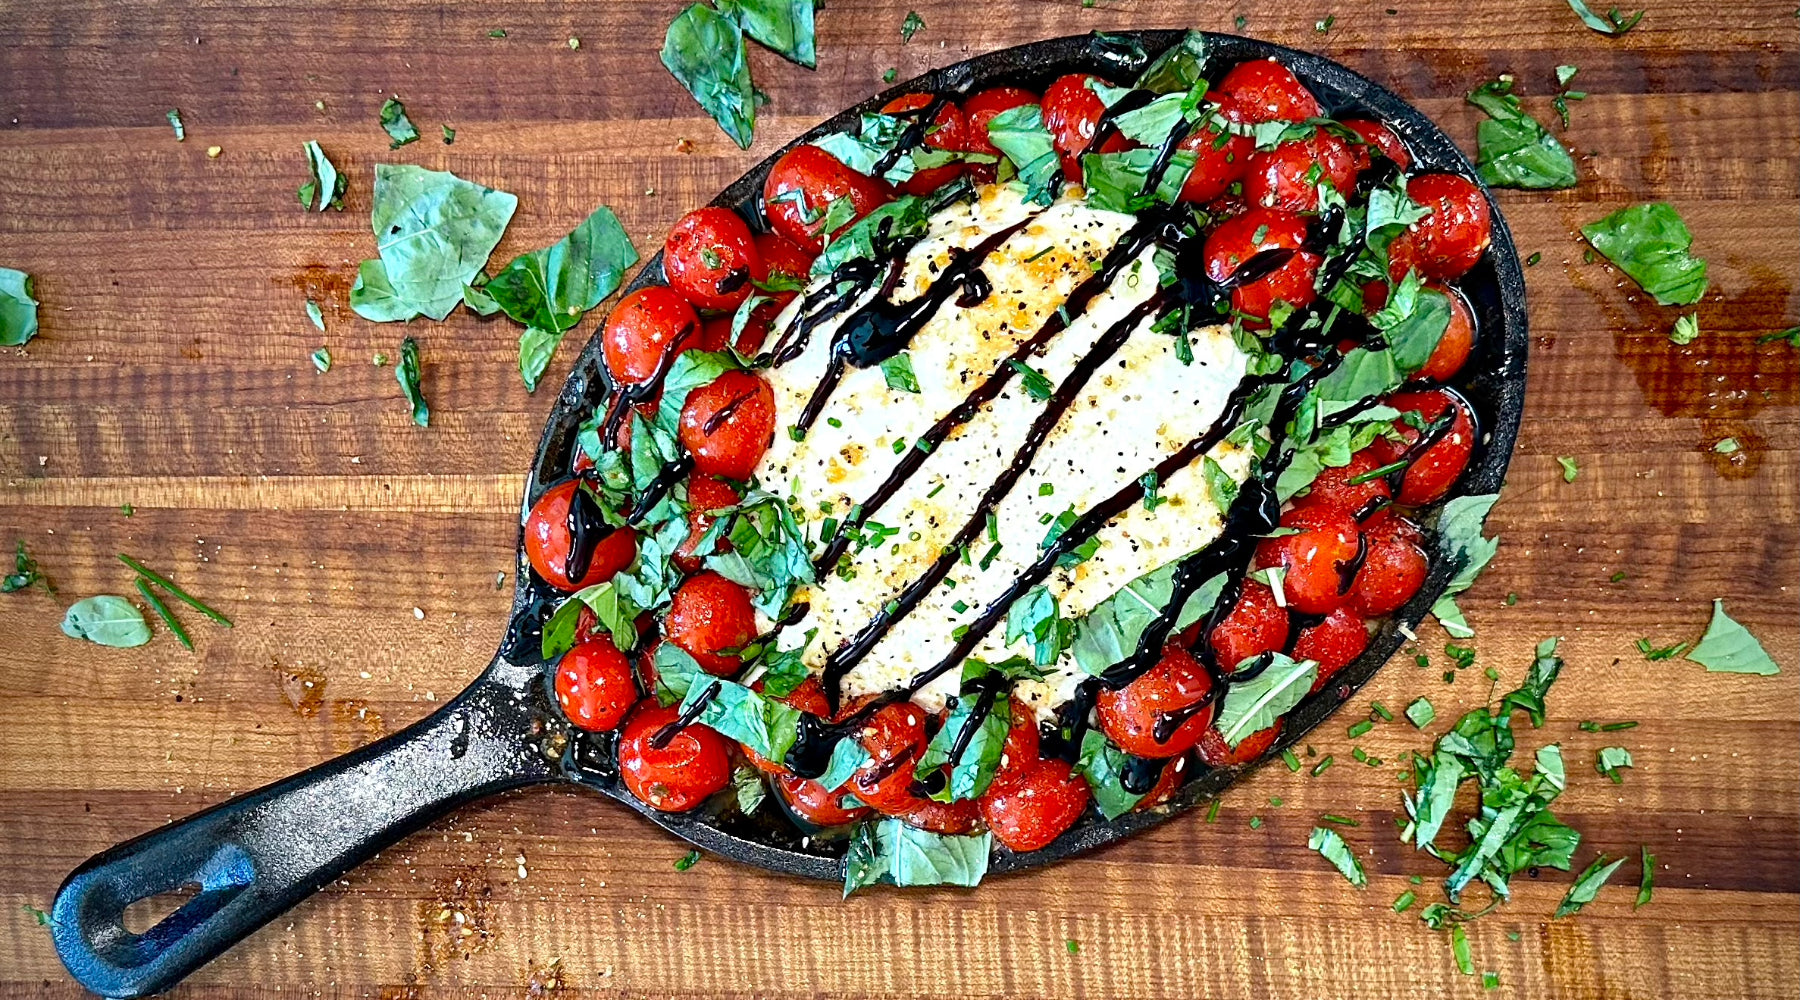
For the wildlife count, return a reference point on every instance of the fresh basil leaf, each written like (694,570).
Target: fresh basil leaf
(748,789)
(1253,705)
(1587,886)
(704,50)
(1151,124)
(615,613)
(974,770)
(1436,781)
(900,219)
(676,673)
(18,310)
(911,25)
(1420,712)
(1613,24)
(1647,881)
(1650,243)
(475,296)
(1034,617)
(1332,450)
(1179,68)
(315,314)
(1220,487)
(769,552)
(847,756)
(1109,633)
(1103,765)
(735,712)
(1529,696)
(433,231)
(1460,541)
(394,122)
(1686,331)
(175,123)
(1729,648)
(407,374)
(558,635)
(324,187)
(321,360)
(106,620)
(784,670)
(1610,760)
(898,371)
(877,138)
(785,26)
(1512,148)
(1114,181)
(1332,847)
(1021,135)
(536,347)
(551,289)
(889,851)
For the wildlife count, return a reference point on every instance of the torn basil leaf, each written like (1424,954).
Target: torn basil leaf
(974,769)
(887,851)
(1109,633)
(321,360)
(1610,760)
(1613,24)
(106,620)
(1729,648)
(1253,705)
(1332,847)
(1115,181)
(1179,67)
(324,187)
(1103,765)
(847,755)
(898,371)
(434,232)
(1587,886)
(900,219)
(704,50)
(1020,134)
(314,313)
(549,290)
(407,374)
(1459,529)
(1512,149)
(394,122)
(1529,695)
(1650,243)
(785,26)
(18,310)
(736,712)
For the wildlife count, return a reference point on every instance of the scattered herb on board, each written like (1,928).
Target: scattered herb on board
(1613,24)
(18,310)
(321,360)
(1686,330)
(40,917)
(1727,446)
(1563,96)
(1569,468)
(550,290)
(407,374)
(394,122)
(108,620)
(1323,25)
(146,577)
(1789,336)
(1420,712)
(316,315)
(1651,244)
(1073,946)
(911,25)
(1334,849)
(1512,149)
(434,232)
(1610,760)
(1587,886)
(1646,880)
(1728,647)
(25,573)
(888,75)
(449,135)
(1462,544)
(705,50)
(176,124)
(687,861)
(1653,653)
(324,186)
(887,851)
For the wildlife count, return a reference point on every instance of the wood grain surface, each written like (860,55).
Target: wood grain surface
(359,553)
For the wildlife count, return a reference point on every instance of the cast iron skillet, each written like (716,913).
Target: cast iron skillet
(250,858)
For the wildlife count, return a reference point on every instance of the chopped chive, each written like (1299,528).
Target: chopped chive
(1046,489)
(162,611)
(1360,728)
(1405,901)
(987,558)
(1256,822)
(1291,760)
(1618,577)
(1275,801)
(1373,474)
(1213,813)
(935,490)
(687,861)
(1379,709)
(1073,945)
(169,585)
(1361,755)
(1319,768)
(1339,820)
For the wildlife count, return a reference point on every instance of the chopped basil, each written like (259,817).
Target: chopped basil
(1103,766)
(1115,181)
(25,573)
(1035,382)
(449,135)
(1512,148)
(1727,446)
(1653,653)
(1610,760)
(769,553)
(891,852)
(847,756)
(1651,243)
(1613,24)
(1021,135)
(1728,647)
(736,712)
(321,359)
(911,25)
(1109,633)
(1587,886)
(1405,901)
(1459,949)
(18,310)
(434,232)
(1462,544)
(175,123)
(687,861)
(394,122)
(1569,468)
(1789,336)
(1034,617)
(974,770)
(877,138)
(407,374)
(1687,328)
(1253,705)
(550,290)
(1333,848)
(107,620)
(900,219)
(1529,696)
(324,187)
(888,75)
(704,50)
(898,371)
(1420,712)
(748,789)
(1647,880)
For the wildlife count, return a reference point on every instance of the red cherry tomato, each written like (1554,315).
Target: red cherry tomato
(894,737)
(710,258)
(595,685)
(727,425)
(1458,342)
(1431,474)
(641,331)
(979,109)
(1448,242)
(809,697)
(1381,138)
(1393,568)
(814,803)
(1312,558)
(1021,748)
(1036,809)
(547,542)
(804,183)
(1220,157)
(1071,113)
(1167,784)
(1334,643)
(1165,694)
(705,495)
(1266,91)
(781,258)
(1256,625)
(1215,752)
(944,817)
(1288,176)
(679,775)
(711,618)
(949,130)
(1236,240)
(1333,488)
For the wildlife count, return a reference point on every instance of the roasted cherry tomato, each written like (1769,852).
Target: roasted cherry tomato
(948,130)
(894,737)
(809,697)
(547,542)
(711,618)
(705,495)
(1266,91)
(980,108)
(1215,752)
(783,262)
(710,258)
(679,775)
(595,685)
(1333,487)
(1035,810)
(1155,715)
(944,817)
(1458,341)
(1315,558)
(815,804)
(1380,137)
(801,187)
(1333,643)
(1288,176)
(1071,113)
(1221,157)
(1429,475)
(1256,625)
(727,425)
(1242,237)
(1394,566)
(1021,748)
(1167,784)
(1448,242)
(643,329)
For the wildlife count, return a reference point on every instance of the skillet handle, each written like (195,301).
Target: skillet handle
(252,857)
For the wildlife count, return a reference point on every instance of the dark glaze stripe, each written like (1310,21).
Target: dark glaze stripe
(625,397)
(1348,569)
(913,136)
(666,478)
(1165,155)
(661,738)
(1107,125)
(587,528)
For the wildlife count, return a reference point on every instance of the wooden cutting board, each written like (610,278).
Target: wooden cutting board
(359,553)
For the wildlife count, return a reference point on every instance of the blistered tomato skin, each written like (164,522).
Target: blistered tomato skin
(1220,158)
(813,803)
(1267,91)
(1313,558)
(948,131)
(894,737)
(1021,748)
(1381,138)
(1333,644)
(1167,691)
(980,108)
(705,495)
(1448,242)
(643,329)
(1394,566)
(711,618)
(953,818)
(595,686)
(1240,238)
(1215,752)
(1431,474)
(1333,487)
(678,776)
(1284,177)
(547,542)
(727,425)
(710,257)
(801,186)
(1030,813)
(1072,112)
(1256,625)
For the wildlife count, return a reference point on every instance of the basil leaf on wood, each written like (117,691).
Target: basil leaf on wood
(549,290)
(1651,244)
(106,620)
(1253,705)
(891,852)
(704,50)
(1511,148)
(1729,648)
(434,232)
(1613,24)
(18,310)
(974,770)
(785,26)
(1330,844)
(1103,765)
(1020,134)
(324,187)
(394,122)
(1529,695)
(1460,540)
(407,374)
(1587,886)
